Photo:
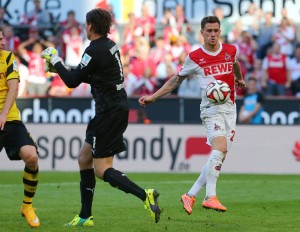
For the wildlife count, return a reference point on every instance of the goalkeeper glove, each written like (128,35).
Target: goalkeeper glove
(51,55)
(49,67)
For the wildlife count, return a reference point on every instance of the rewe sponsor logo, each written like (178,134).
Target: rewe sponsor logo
(218,69)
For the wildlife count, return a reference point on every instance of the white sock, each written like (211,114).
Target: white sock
(200,183)
(214,166)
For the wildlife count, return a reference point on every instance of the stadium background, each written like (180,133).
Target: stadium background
(168,143)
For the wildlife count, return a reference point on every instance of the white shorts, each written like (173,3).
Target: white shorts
(221,124)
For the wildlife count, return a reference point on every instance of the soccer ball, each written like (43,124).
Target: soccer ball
(217,92)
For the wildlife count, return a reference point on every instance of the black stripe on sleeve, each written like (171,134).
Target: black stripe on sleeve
(8,58)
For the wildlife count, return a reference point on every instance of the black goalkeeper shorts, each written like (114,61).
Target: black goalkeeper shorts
(105,133)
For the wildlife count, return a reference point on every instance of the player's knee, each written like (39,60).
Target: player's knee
(31,161)
(220,144)
(85,161)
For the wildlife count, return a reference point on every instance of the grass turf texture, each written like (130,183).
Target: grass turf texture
(255,203)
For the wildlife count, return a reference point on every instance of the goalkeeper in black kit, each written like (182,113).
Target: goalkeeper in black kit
(101,67)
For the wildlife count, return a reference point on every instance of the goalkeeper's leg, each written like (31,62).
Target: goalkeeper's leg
(87,187)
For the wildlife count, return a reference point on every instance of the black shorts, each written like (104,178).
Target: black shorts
(105,134)
(13,137)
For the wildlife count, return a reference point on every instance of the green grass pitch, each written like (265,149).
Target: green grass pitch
(255,203)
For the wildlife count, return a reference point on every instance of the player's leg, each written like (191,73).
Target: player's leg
(216,130)
(105,171)
(20,145)
(87,187)
(214,167)
(188,199)
(221,140)
(28,154)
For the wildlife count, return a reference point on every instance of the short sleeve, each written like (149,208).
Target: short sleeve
(189,67)
(12,67)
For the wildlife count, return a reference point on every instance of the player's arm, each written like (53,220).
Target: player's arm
(71,78)
(240,83)
(168,87)
(9,100)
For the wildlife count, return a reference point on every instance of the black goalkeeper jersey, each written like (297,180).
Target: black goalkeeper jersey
(101,67)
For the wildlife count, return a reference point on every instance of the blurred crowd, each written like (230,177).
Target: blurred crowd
(154,50)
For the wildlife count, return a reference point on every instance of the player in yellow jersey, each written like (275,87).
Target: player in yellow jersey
(14,136)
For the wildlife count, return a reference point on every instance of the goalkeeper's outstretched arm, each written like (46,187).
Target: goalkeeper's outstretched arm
(71,78)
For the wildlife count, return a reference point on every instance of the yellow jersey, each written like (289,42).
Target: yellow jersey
(8,70)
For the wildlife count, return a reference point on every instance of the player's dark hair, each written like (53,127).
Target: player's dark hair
(1,29)
(100,21)
(209,19)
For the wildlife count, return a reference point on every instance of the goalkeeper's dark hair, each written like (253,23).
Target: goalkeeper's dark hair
(209,19)
(100,21)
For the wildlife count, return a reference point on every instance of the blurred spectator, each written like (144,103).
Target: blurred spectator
(70,22)
(157,53)
(265,33)
(83,90)
(145,25)
(285,36)
(257,73)
(200,42)
(276,76)
(129,29)
(145,84)
(165,69)
(38,83)
(247,47)
(284,14)
(189,87)
(57,87)
(251,110)
(37,17)
(130,80)
(110,9)
(178,45)
(73,47)
(23,72)
(114,33)
(12,41)
(251,19)
(67,30)
(181,19)
(181,60)
(235,34)
(3,21)
(141,59)
(226,26)
(169,25)
(295,72)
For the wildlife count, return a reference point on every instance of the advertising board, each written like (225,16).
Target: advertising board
(171,148)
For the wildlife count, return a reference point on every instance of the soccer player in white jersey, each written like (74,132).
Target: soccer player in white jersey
(212,61)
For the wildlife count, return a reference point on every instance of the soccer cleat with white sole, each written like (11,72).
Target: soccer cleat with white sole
(27,211)
(188,203)
(213,203)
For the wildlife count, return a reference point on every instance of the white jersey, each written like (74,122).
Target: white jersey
(210,66)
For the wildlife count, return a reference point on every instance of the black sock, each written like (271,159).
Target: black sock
(87,186)
(119,180)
